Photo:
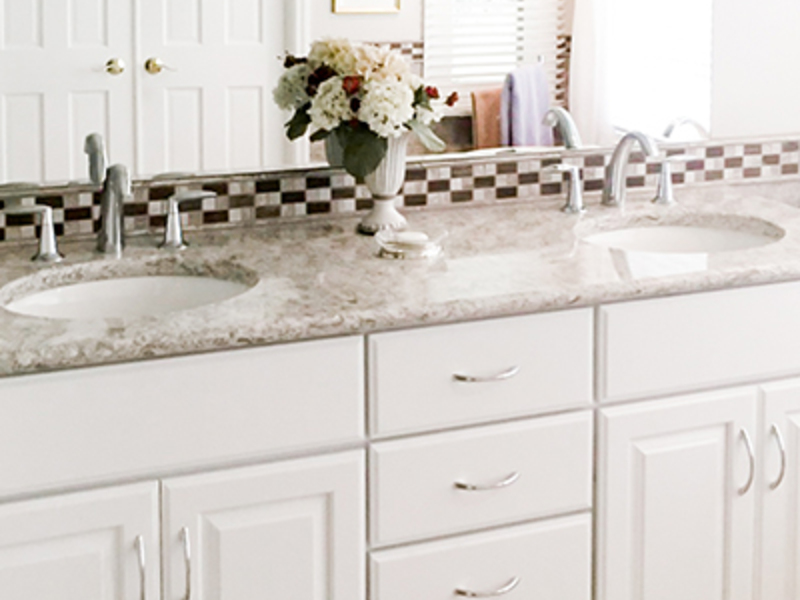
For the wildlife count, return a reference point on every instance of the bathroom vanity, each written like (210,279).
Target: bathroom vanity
(525,418)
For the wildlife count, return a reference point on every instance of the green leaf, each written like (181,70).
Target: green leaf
(319,135)
(363,149)
(421,98)
(425,134)
(296,127)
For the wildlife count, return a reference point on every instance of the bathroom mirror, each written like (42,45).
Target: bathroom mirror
(163,79)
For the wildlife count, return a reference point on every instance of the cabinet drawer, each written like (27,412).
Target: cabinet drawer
(414,491)
(412,373)
(85,425)
(551,559)
(676,344)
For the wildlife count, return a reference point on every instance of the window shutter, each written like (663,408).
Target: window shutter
(471,44)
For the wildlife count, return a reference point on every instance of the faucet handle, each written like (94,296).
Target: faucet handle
(665,195)
(574,203)
(48,249)
(95,148)
(173,233)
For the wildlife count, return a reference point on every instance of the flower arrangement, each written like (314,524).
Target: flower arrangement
(361,94)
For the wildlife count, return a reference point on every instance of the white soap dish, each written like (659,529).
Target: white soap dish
(408,244)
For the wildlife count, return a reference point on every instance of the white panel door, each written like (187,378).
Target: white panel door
(292,530)
(54,89)
(675,511)
(81,546)
(779,572)
(212,107)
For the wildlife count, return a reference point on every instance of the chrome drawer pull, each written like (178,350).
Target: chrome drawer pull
(509,587)
(139,544)
(751,457)
(782,447)
(508,374)
(187,562)
(487,487)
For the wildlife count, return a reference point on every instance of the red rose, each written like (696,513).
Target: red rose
(432,92)
(351,84)
(452,99)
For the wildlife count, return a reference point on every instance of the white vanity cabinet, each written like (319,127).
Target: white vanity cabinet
(94,545)
(293,530)
(778,575)
(676,498)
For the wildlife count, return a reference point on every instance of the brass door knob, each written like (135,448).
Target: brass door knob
(114,66)
(154,66)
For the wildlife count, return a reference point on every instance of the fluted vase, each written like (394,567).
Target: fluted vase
(385,184)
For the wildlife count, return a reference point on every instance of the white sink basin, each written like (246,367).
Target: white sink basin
(679,239)
(126,297)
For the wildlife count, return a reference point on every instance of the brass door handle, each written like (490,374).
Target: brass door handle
(155,65)
(114,66)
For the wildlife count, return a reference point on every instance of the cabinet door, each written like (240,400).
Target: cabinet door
(82,546)
(676,498)
(291,531)
(212,107)
(54,89)
(780,535)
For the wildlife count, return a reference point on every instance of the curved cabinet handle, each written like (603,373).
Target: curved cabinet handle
(751,456)
(142,559)
(509,587)
(507,374)
(187,562)
(776,433)
(488,487)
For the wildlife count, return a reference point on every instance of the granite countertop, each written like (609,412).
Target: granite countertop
(316,278)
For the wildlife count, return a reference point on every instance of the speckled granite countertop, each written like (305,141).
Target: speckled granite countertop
(317,278)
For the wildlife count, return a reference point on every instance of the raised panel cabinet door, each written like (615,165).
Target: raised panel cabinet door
(291,530)
(676,498)
(778,572)
(54,88)
(210,105)
(96,545)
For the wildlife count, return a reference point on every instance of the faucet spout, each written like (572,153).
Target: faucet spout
(116,188)
(96,150)
(560,119)
(614,188)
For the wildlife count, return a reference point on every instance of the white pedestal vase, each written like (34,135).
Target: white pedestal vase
(385,184)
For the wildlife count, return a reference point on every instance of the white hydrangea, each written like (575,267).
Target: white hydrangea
(330,106)
(429,116)
(386,106)
(338,54)
(291,91)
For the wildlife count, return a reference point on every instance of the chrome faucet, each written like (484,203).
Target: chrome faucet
(614,188)
(680,122)
(13,195)
(560,119)
(173,232)
(96,149)
(116,188)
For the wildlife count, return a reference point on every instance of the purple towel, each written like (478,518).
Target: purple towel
(525,100)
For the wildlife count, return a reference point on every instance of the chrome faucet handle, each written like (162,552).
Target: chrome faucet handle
(665,195)
(574,205)
(48,250)
(173,233)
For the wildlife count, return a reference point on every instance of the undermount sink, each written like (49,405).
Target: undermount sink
(704,236)
(87,293)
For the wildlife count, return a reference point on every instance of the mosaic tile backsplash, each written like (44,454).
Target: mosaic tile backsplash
(268,196)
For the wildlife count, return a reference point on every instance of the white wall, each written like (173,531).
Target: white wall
(756,68)
(403,26)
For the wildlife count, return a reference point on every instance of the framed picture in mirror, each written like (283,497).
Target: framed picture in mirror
(365,7)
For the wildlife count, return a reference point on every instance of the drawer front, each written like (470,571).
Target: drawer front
(677,344)
(549,560)
(539,467)
(413,373)
(85,425)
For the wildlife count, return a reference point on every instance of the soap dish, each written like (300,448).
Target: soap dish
(408,244)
